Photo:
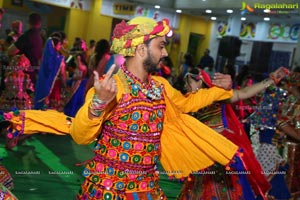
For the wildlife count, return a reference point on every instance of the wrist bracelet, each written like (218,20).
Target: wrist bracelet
(97,106)
(97,103)
(266,84)
(297,125)
(96,100)
(95,113)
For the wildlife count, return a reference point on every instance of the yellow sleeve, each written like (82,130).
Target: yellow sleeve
(85,130)
(192,102)
(38,121)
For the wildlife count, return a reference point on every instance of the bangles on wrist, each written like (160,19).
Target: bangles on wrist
(97,106)
(266,83)
(297,125)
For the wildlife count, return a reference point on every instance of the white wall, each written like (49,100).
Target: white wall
(214,42)
(283,47)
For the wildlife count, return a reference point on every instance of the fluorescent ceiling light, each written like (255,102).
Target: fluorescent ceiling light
(208,11)
(243,18)
(229,11)
(157,6)
(267,18)
(213,18)
(179,11)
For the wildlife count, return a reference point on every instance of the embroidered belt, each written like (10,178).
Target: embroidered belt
(125,166)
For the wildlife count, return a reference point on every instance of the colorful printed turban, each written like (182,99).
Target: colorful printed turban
(127,36)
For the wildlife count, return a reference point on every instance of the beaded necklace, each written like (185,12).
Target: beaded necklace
(150,90)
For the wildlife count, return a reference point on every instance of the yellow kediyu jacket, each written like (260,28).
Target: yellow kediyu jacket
(187,144)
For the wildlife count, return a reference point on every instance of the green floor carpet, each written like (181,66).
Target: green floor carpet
(44,168)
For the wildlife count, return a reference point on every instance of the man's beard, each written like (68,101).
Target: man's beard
(149,65)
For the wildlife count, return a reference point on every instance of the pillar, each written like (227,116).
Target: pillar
(296,60)
(234,25)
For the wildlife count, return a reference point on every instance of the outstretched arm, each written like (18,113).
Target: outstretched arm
(252,90)
(192,102)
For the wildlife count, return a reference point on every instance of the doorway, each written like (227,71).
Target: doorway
(195,41)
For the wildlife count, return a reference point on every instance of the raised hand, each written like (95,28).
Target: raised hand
(279,74)
(222,80)
(106,89)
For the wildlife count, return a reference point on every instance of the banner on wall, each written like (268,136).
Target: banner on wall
(108,8)
(77,4)
(151,13)
(124,8)
(222,29)
(283,32)
(248,30)
(278,32)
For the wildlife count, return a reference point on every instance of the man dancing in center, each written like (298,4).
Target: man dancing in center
(133,113)
(138,119)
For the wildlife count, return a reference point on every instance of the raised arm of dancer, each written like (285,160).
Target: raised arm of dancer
(252,90)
